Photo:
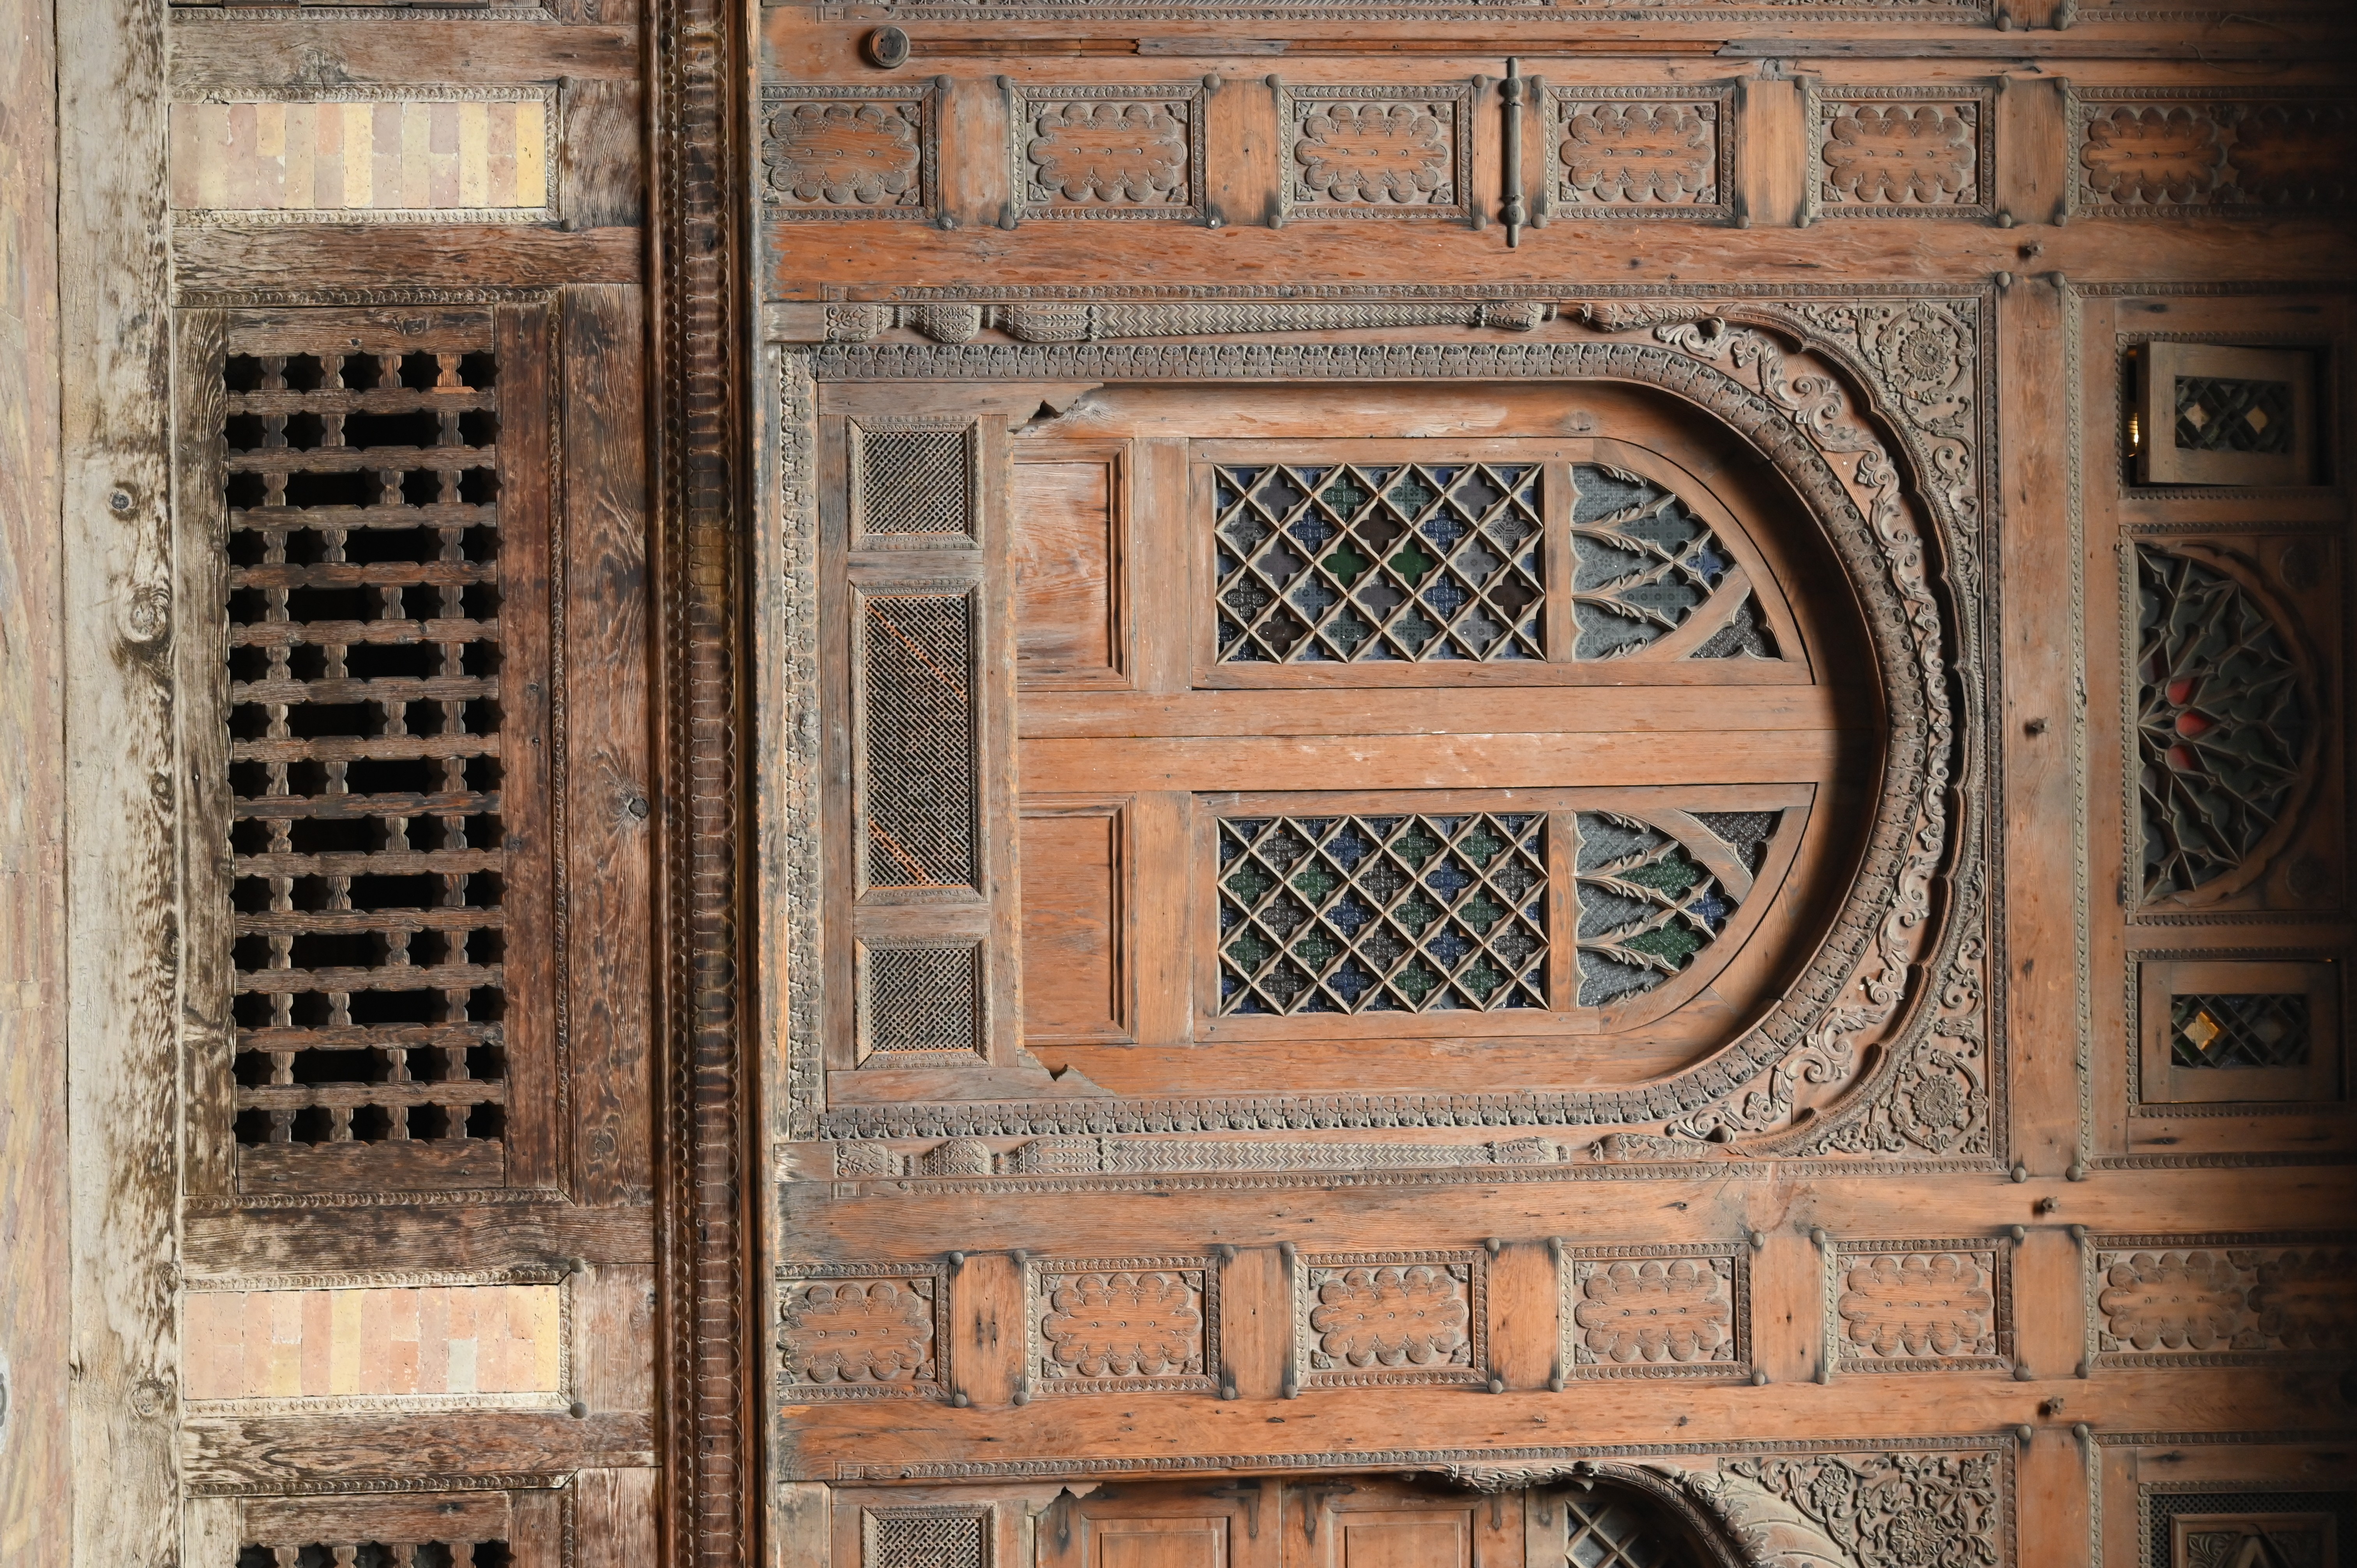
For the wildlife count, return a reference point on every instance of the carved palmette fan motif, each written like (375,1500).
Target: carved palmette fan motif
(1651,899)
(2222,726)
(1646,565)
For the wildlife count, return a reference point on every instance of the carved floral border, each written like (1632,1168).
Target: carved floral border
(1910,367)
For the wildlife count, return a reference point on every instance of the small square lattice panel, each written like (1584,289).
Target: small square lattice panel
(1363,563)
(920,793)
(1382,914)
(368,644)
(915,481)
(2224,1030)
(2208,413)
(2220,413)
(924,999)
(925,1538)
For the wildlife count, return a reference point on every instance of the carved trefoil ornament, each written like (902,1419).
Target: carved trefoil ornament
(1376,152)
(1640,152)
(1365,1319)
(1655,1311)
(2209,152)
(1900,152)
(2220,1300)
(1106,152)
(862,1331)
(1122,1325)
(1919,1306)
(849,152)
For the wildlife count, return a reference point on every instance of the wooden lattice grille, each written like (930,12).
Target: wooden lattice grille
(380,657)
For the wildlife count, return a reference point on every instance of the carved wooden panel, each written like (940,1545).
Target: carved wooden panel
(1370,1319)
(2218,1032)
(844,153)
(1656,1312)
(1095,152)
(1123,1325)
(1376,152)
(2210,415)
(2139,152)
(1918,1306)
(862,1331)
(2218,1300)
(1640,152)
(1900,152)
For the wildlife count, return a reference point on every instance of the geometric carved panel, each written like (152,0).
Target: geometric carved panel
(834,152)
(1918,1306)
(1900,152)
(2217,152)
(1123,1324)
(1656,1312)
(862,1330)
(1366,1319)
(1641,152)
(1376,152)
(2214,1301)
(1103,152)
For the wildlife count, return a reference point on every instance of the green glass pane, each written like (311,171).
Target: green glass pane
(1673,942)
(1673,874)
(1411,563)
(1313,882)
(1249,881)
(1250,951)
(1344,564)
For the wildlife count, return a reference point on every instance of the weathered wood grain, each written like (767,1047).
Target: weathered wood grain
(266,1452)
(35,1450)
(123,779)
(328,261)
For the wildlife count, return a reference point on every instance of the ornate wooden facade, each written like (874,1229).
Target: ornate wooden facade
(988,783)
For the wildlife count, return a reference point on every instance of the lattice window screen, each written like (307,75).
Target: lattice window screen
(385,678)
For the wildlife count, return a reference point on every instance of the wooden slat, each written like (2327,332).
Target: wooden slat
(244,1451)
(36,1327)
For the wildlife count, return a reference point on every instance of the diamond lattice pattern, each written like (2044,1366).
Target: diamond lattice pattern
(2233,1030)
(1362,563)
(1401,914)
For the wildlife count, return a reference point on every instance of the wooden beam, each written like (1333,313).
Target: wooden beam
(123,779)
(35,1500)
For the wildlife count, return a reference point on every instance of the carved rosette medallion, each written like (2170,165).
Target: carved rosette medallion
(1641,152)
(1900,152)
(2219,1301)
(1106,152)
(873,1331)
(1123,1324)
(832,153)
(2210,153)
(1655,1311)
(1919,1307)
(1370,1318)
(1376,152)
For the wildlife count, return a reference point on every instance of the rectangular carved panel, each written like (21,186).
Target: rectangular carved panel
(1123,1325)
(944,1537)
(2209,152)
(2211,414)
(1919,1307)
(1376,152)
(862,1331)
(1106,152)
(913,484)
(369,154)
(1900,152)
(1364,1319)
(2212,1301)
(1641,152)
(384,490)
(1672,1311)
(849,152)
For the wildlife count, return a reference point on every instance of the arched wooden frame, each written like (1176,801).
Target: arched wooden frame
(1860,985)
